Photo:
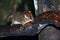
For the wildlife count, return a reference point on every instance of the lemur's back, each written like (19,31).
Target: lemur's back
(53,16)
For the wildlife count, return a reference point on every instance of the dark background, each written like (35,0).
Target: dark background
(21,38)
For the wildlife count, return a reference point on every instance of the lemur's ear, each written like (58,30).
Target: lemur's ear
(29,11)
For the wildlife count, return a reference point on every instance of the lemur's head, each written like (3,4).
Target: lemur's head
(28,17)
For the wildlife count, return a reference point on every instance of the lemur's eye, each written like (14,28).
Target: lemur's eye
(30,17)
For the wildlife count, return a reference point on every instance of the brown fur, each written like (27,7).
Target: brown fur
(53,16)
(19,16)
(49,15)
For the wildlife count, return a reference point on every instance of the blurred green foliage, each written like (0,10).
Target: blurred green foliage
(19,1)
(5,7)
